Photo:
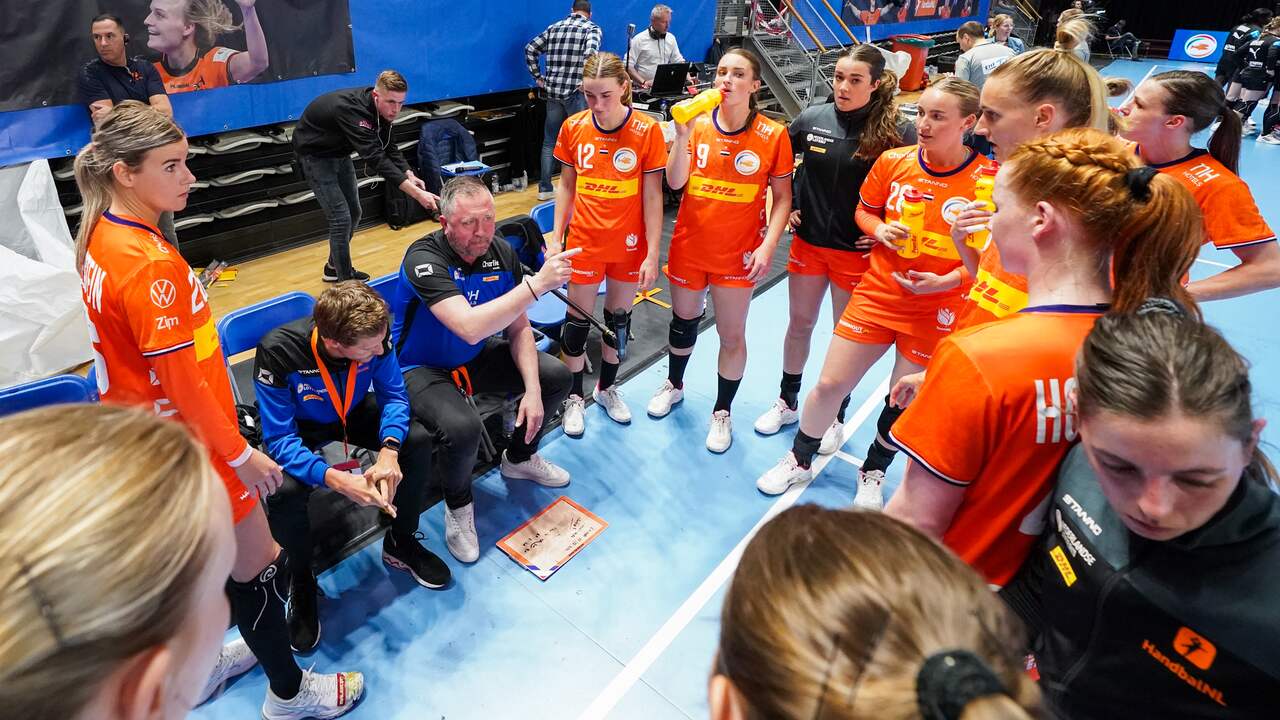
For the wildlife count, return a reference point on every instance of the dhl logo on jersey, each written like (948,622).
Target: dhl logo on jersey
(721,190)
(604,188)
(996,296)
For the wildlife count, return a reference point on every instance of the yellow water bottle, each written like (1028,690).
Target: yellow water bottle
(686,110)
(913,218)
(982,190)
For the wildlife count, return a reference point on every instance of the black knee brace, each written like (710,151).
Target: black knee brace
(620,324)
(888,416)
(684,331)
(250,601)
(573,338)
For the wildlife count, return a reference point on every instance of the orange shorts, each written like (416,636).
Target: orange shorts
(844,268)
(589,272)
(683,274)
(241,501)
(915,338)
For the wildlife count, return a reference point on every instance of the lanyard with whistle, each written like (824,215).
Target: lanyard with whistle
(345,406)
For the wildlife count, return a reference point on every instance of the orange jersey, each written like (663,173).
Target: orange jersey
(995,292)
(946,194)
(926,8)
(211,70)
(995,417)
(722,215)
(1231,217)
(608,205)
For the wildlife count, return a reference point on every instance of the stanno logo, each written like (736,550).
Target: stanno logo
(1082,514)
(163,293)
(423,270)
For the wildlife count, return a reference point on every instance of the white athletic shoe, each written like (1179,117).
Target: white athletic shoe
(235,659)
(1249,127)
(1271,138)
(775,417)
(460,532)
(574,419)
(783,475)
(869,496)
(320,696)
(537,469)
(663,400)
(612,402)
(720,436)
(546,195)
(831,438)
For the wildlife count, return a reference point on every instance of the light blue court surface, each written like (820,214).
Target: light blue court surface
(627,629)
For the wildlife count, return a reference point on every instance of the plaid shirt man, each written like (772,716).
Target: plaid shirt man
(567,45)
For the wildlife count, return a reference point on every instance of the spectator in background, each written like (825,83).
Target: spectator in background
(1001,32)
(567,44)
(1118,38)
(184,32)
(1074,33)
(978,55)
(653,47)
(114,78)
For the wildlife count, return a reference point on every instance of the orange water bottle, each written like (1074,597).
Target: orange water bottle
(913,218)
(982,190)
(686,110)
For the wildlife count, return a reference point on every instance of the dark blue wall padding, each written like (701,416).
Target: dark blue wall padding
(445,48)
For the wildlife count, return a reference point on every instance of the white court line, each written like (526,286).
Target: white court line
(653,649)
(1215,263)
(1135,87)
(856,462)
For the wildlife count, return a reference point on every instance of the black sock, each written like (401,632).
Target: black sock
(725,390)
(879,457)
(1270,119)
(608,374)
(844,407)
(676,365)
(577,383)
(257,607)
(790,389)
(804,447)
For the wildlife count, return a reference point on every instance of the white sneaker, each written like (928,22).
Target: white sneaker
(831,438)
(574,419)
(1250,127)
(546,195)
(775,417)
(612,402)
(1271,138)
(537,469)
(460,532)
(783,475)
(869,496)
(663,400)
(320,696)
(720,436)
(235,659)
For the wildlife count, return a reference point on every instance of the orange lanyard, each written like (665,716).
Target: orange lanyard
(345,407)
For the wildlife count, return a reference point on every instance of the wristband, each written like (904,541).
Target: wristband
(391,444)
(531,292)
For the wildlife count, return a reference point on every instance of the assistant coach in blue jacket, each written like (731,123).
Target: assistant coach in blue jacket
(334,378)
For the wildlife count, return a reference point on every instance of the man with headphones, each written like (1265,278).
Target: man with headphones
(112,77)
(653,47)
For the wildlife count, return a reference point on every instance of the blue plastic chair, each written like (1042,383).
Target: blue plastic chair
(56,390)
(544,215)
(242,329)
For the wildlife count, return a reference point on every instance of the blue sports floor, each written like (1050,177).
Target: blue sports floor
(627,629)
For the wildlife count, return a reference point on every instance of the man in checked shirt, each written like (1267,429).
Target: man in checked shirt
(567,44)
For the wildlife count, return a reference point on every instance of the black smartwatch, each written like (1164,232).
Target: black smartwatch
(391,444)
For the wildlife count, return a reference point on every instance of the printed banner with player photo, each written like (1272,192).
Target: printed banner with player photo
(903,13)
(194,44)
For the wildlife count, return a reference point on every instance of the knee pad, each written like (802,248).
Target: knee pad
(684,331)
(620,324)
(573,338)
(250,600)
(888,416)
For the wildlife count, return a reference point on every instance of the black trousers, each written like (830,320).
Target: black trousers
(287,516)
(455,427)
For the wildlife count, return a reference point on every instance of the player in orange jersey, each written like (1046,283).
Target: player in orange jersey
(723,241)
(610,202)
(184,32)
(1162,115)
(996,413)
(906,303)
(155,346)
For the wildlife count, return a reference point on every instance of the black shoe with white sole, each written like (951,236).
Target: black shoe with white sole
(331,275)
(405,552)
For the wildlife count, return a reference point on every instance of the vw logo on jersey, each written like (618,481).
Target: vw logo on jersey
(747,162)
(946,317)
(952,208)
(624,160)
(163,293)
(1200,45)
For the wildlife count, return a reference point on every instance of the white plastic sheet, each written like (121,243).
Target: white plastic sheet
(43,330)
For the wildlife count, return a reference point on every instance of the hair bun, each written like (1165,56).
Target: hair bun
(1162,306)
(1139,181)
(951,679)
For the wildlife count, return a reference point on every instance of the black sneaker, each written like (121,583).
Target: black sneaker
(405,552)
(331,275)
(301,615)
